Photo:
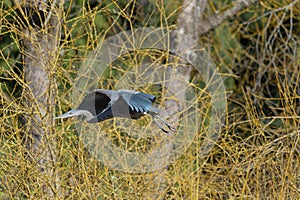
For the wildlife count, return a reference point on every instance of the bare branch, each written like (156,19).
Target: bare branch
(215,20)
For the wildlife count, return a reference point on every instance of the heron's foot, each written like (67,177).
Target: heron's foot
(162,124)
(171,128)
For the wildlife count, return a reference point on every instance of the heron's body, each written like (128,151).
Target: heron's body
(100,105)
(106,104)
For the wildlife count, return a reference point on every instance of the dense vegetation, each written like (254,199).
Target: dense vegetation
(257,153)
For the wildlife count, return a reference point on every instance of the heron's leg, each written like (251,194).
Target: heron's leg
(159,125)
(165,123)
(162,123)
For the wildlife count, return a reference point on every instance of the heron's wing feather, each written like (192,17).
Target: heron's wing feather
(108,93)
(150,97)
(95,102)
(138,101)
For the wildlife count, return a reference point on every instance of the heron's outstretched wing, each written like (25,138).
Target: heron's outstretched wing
(96,101)
(138,101)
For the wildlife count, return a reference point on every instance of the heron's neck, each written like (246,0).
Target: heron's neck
(87,114)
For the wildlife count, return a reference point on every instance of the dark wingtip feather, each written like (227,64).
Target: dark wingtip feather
(148,96)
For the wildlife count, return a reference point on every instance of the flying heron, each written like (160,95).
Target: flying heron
(100,105)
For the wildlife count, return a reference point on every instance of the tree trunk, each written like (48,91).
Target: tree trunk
(178,77)
(188,22)
(40,42)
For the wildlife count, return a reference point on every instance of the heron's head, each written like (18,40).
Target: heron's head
(76,112)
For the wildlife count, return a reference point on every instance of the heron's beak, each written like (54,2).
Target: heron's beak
(66,115)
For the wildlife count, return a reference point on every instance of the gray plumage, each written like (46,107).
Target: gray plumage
(100,105)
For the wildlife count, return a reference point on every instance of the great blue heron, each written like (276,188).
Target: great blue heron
(100,105)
